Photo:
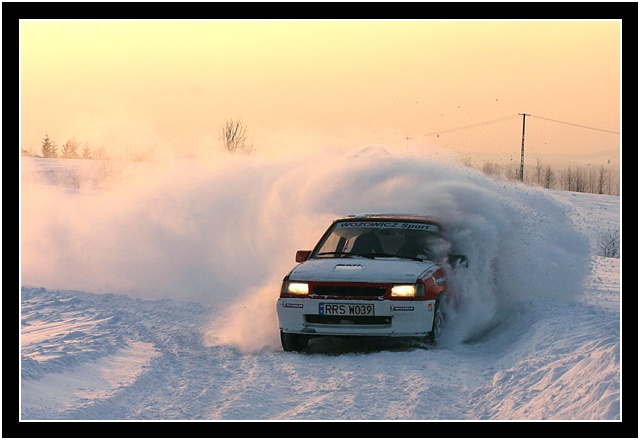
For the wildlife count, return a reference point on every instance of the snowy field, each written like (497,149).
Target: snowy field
(148,293)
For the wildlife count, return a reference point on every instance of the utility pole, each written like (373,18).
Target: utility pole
(524,115)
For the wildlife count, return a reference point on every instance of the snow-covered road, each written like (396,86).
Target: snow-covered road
(118,358)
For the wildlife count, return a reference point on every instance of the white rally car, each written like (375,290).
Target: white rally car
(369,275)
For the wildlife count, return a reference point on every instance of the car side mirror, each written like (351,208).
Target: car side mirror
(302,256)
(458,260)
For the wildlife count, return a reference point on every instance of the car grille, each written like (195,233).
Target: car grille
(348,320)
(349,291)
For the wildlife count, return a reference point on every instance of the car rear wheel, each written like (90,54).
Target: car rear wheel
(293,342)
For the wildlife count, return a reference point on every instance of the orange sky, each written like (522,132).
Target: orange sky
(135,86)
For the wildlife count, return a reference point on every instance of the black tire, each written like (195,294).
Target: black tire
(293,342)
(438,322)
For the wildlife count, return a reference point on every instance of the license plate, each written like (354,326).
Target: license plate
(346,309)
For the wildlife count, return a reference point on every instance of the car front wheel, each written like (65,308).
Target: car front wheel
(438,321)
(293,342)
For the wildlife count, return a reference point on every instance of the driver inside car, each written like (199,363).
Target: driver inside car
(426,247)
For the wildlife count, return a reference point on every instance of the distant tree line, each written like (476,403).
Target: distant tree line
(234,137)
(70,150)
(595,180)
(233,134)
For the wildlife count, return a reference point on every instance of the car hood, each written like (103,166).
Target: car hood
(379,270)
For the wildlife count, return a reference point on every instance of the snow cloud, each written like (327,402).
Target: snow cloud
(224,232)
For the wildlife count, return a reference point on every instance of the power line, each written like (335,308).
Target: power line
(576,125)
(493,121)
(506,118)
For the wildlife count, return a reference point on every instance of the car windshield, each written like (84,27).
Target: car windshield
(413,240)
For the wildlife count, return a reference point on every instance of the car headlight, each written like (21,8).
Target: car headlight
(407,290)
(293,288)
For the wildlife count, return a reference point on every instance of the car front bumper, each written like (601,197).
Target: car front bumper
(389,318)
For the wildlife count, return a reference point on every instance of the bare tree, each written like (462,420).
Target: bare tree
(512,173)
(566,179)
(613,187)
(548,177)
(100,154)
(580,180)
(591,180)
(601,180)
(609,243)
(490,168)
(234,137)
(538,172)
